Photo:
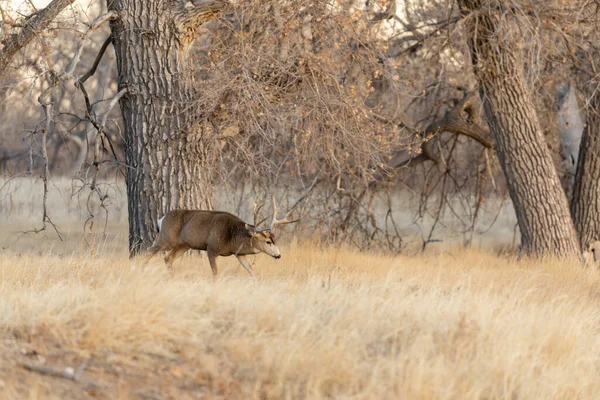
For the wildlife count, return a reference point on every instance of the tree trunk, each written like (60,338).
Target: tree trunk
(570,130)
(163,147)
(585,206)
(538,198)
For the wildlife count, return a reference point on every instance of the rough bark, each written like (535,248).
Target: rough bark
(34,25)
(538,198)
(585,205)
(163,146)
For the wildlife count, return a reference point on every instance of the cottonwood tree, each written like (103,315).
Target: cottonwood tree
(301,94)
(163,146)
(319,91)
(316,91)
(496,45)
(585,205)
(163,128)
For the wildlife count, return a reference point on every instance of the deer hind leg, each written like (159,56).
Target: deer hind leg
(152,252)
(212,259)
(173,255)
(244,261)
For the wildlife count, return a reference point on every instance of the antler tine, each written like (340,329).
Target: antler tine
(255,212)
(276,208)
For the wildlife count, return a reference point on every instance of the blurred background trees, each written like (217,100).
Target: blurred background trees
(371,108)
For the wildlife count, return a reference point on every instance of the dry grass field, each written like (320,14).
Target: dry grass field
(319,323)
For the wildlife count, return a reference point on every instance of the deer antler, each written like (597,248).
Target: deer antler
(255,212)
(285,219)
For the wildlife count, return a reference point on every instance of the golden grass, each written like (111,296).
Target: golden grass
(318,323)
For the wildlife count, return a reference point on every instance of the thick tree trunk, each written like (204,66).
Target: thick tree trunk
(162,128)
(585,205)
(538,198)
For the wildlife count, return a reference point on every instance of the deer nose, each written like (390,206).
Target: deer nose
(278,256)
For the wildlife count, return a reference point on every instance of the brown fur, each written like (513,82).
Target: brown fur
(216,232)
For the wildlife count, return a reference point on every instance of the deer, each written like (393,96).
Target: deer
(219,233)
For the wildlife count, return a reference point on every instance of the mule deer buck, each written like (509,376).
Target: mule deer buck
(218,233)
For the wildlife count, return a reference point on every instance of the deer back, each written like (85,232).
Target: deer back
(200,229)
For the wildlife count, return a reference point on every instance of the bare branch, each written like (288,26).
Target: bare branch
(191,14)
(91,72)
(95,25)
(455,123)
(111,105)
(34,26)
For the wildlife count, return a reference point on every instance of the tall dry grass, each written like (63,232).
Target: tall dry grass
(319,323)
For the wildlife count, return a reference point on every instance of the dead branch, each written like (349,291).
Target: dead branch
(46,174)
(150,396)
(65,373)
(49,371)
(33,27)
(191,14)
(95,25)
(79,84)
(111,105)
(45,100)
(454,122)
(421,147)
(76,376)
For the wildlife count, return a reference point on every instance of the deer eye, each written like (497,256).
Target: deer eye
(269,242)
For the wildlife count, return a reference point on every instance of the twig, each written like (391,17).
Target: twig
(111,105)
(151,396)
(82,368)
(46,176)
(95,25)
(50,371)
(32,28)
(91,72)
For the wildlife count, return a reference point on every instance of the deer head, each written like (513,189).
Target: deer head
(264,239)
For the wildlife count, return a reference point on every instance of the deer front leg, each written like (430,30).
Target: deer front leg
(244,261)
(212,259)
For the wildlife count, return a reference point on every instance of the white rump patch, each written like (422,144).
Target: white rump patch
(159,222)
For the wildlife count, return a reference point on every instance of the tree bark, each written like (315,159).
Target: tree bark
(585,205)
(163,146)
(538,198)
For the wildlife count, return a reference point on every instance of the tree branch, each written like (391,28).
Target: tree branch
(452,122)
(190,14)
(91,72)
(34,25)
(95,25)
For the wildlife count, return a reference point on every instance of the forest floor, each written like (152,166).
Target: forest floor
(84,321)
